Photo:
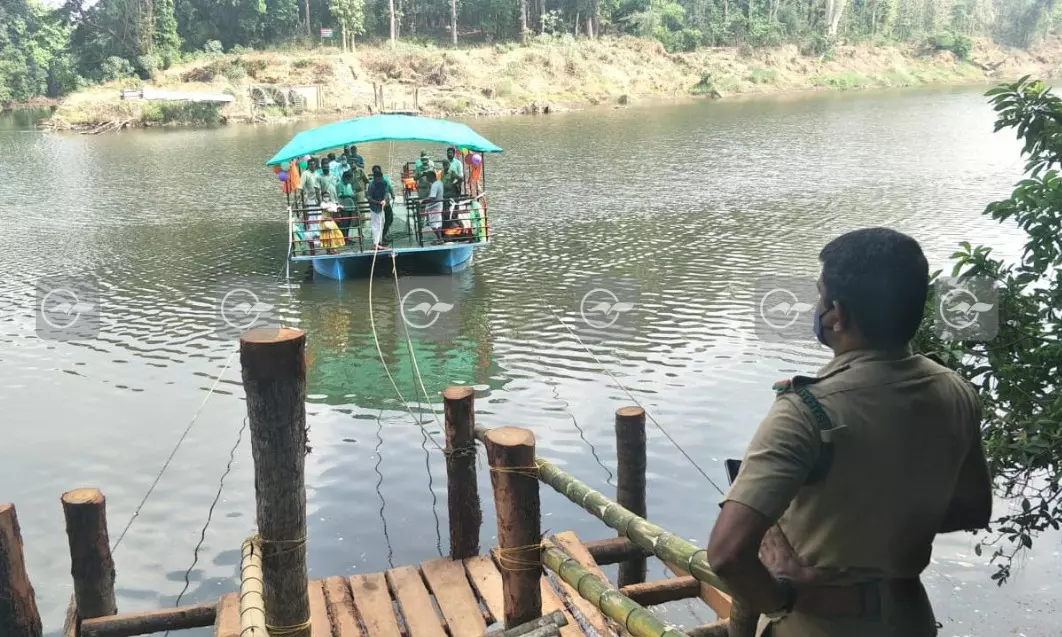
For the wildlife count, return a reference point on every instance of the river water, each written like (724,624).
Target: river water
(690,203)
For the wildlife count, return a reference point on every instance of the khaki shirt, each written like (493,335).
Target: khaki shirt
(902,426)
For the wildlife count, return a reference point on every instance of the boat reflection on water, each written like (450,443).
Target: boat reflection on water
(345,344)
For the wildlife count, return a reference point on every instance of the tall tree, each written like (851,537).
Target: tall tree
(350,14)
(453,22)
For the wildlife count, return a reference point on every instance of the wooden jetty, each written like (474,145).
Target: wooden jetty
(530,584)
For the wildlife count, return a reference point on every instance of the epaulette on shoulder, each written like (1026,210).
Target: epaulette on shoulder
(788,384)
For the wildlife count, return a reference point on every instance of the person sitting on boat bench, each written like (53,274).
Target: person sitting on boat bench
(379,194)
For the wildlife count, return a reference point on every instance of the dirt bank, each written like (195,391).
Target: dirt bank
(544,76)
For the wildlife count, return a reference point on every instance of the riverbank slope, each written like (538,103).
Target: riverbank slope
(545,75)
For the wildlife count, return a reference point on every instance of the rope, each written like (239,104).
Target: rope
(409,341)
(287,631)
(507,557)
(180,441)
(210,513)
(531,472)
(648,415)
(383,361)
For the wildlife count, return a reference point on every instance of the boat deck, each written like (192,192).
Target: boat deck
(439,598)
(403,233)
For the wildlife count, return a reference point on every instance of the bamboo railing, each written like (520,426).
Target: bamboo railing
(665,545)
(635,619)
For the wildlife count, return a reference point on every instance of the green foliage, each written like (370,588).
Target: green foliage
(350,14)
(161,113)
(1017,372)
(957,43)
(116,68)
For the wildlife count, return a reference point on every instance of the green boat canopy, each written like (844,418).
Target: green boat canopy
(377,128)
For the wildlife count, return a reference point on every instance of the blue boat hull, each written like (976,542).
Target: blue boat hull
(339,268)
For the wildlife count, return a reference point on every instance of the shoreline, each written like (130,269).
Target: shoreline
(542,77)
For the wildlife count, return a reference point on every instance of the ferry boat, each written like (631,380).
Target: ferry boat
(416,238)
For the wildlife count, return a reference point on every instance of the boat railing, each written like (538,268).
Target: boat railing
(306,225)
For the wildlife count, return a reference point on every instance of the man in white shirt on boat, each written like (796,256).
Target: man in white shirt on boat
(311,193)
(434,203)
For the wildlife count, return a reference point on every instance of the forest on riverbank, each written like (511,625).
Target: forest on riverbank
(52,51)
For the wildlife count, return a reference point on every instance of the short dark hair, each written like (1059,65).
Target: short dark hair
(880,277)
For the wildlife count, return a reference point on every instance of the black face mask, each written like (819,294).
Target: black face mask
(820,331)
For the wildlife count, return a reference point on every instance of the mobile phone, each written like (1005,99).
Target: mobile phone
(732,467)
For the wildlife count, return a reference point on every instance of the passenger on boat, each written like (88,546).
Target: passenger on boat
(331,236)
(380,194)
(311,184)
(421,169)
(434,204)
(451,189)
(347,201)
(355,157)
(330,183)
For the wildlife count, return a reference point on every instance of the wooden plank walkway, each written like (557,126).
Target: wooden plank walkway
(440,598)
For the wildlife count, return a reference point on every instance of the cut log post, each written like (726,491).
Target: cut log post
(614,550)
(91,564)
(630,480)
(511,452)
(274,380)
(662,591)
(153,621)
(462,490)
(18,606)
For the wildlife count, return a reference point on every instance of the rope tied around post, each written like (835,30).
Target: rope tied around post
(288,631)
(292,545)
(508,556)
(531,471)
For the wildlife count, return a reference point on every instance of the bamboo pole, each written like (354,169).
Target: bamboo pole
(91,564)
(630,481)
(252,609)
(663,544)
(274,380)
(635,620)
(511,452)
(19,616)
(153,621)
(462,490)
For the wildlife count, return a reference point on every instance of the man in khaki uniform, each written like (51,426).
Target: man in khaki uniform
(860,467)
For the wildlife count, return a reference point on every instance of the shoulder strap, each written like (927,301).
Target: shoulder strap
(822,421)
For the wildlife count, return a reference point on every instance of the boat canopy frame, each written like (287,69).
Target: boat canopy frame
(376,128)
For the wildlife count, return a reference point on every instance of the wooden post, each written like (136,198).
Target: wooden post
(274,380)
(462,490)
(18,607)
(91,564)
(511,452)
(630,480)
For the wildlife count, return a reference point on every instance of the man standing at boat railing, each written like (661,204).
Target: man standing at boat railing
(380,193)
(831,518)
